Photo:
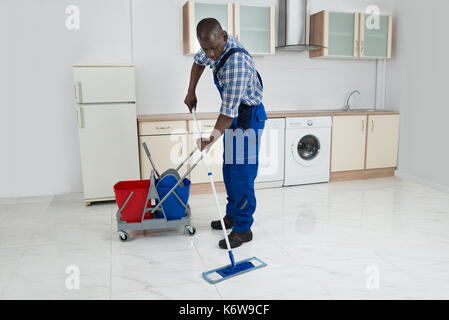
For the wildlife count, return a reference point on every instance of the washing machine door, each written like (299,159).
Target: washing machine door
(306,149)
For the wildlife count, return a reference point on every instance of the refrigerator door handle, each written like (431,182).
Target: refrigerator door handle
(80,116)
(78,92)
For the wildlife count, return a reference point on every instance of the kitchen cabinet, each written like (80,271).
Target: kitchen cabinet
(375,40)
(345,34)
(348,143)
(254,26)
(364,146)
(336,31)
(168,146)
(193,12)
(215,154)
(382,141)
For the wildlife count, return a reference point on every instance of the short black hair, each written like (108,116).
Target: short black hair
(207,28)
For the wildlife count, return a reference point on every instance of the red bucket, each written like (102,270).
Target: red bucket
(134,208)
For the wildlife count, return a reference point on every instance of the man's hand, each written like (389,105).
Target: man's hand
(195,75)
(203,143)
(191,100)
(223,123)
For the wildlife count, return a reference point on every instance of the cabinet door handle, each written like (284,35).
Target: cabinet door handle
(163,127)
(372,125)
(362,48)
(363,125)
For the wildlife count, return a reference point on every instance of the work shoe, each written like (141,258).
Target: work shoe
(216,225)
(236,239)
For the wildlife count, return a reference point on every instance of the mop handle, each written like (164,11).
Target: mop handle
(209,173)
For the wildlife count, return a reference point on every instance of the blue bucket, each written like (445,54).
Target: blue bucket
(172,207)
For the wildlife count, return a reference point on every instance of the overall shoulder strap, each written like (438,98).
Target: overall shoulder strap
(226,56)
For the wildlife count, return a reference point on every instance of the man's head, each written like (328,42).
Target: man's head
(211,37)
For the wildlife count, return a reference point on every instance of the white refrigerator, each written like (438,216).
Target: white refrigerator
(107,126)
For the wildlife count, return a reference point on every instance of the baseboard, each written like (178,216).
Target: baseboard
(361,174)
(88,202)
(268,185)
(202,188)
(402,174)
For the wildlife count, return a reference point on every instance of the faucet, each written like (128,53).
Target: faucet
(347,106)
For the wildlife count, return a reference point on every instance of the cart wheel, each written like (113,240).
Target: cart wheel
(191,230)
(123,235)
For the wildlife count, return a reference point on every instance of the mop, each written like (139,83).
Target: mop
(235,268)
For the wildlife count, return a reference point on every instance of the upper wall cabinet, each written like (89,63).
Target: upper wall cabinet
(254,26)
(337,31)
(350,35)
(375,36)
(193,12)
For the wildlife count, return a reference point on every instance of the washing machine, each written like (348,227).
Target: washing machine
(307,150)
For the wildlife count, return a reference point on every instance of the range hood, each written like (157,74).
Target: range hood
(292,27)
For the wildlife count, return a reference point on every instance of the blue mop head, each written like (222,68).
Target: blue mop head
(232,270)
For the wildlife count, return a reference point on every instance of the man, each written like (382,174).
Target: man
(241,120)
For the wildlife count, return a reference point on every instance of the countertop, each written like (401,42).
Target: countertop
(270,114)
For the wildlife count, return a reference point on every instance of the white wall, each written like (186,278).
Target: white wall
(38,135)
(417,85)
(39,138)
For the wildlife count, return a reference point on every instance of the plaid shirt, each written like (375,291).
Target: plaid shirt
(237,77)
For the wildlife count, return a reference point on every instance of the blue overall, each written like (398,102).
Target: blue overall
(241,157)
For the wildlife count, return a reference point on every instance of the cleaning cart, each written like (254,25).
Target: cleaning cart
(137,211)
(158,203)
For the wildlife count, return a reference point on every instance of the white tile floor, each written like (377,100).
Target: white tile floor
(375,239)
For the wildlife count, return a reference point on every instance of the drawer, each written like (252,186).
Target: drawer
(162,127)
(206,126)
(104,84)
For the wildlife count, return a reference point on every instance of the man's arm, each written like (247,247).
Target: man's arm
(195,75)
(223,123)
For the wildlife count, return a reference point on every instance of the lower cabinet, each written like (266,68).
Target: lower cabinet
(348,143)
(382,141)
(362,146)
(214,155)
(361,142)
(170,143)
(167,151)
